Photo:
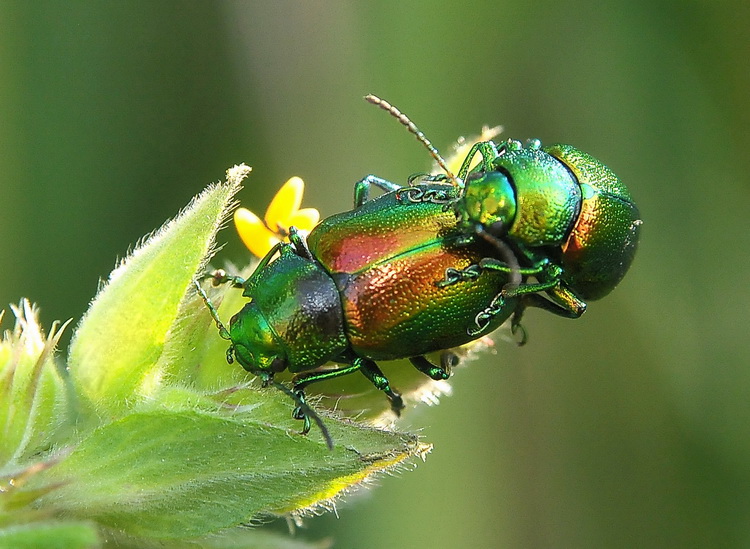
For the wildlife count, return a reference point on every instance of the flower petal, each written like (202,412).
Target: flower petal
(254,234)
(285,203)
(305,219)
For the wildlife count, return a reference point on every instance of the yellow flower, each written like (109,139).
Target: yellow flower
(260,235)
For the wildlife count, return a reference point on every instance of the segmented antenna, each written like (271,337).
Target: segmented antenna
(406,121)
(223,332)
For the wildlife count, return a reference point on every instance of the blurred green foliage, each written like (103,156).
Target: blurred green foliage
(629,427)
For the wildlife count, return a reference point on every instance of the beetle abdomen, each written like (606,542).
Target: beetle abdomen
(603,241)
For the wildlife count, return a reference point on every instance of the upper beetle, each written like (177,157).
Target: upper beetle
(560,214)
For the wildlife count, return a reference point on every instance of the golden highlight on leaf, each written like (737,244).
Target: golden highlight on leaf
(345,483)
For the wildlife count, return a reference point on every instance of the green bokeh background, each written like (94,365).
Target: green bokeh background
(627,428)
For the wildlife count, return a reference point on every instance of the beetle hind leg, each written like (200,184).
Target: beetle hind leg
(377,378)
(438,373)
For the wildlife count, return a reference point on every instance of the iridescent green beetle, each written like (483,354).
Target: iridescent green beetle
(566,217)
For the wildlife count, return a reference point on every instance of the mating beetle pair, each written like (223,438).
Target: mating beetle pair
(434,265)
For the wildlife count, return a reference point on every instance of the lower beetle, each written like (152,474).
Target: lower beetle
(366,285)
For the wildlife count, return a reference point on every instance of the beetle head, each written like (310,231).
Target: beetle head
(254,343)
(488,200)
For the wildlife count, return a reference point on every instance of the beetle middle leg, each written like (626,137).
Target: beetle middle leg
(453,276)
(564,301)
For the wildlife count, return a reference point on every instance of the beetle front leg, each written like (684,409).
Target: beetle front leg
(300,381)
(362,188)
(489,152)
(220,276)
(453,276)
(300,244)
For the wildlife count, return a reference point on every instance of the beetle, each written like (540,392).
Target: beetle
(432,265)
(568,219)
(365,285)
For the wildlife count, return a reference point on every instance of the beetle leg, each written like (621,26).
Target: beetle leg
(515,322)
(220,276)
(373,373)
(300,244)
(437,373)
(422,177)
(564,302)
(302,411)
(362,188)
(301,381)
(453,276)
(492,264)
(489,152)
(484,317)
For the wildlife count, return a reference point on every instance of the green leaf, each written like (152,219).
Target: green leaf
(114,355)
(172,443)
(236,538)
(181,474)
(50,535)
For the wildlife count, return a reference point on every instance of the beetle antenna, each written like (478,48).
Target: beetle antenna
(507,255)
(306,410)
(412,127)
(223,332)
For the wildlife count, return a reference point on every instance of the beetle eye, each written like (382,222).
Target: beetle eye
(497,229)
(278,364)
(474,175)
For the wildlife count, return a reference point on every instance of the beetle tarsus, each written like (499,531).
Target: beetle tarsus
(453,276)
(220,276)
(304,412)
